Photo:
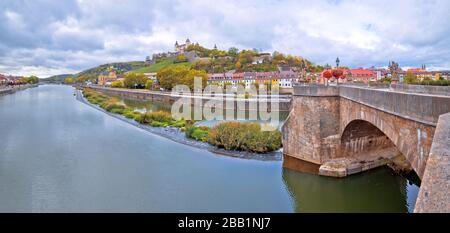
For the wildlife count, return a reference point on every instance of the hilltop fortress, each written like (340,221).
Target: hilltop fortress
(179,49)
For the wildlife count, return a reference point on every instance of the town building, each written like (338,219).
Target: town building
(284,78)
(361,75)
(3,80)
(151,76)
(106,78)
(261,58)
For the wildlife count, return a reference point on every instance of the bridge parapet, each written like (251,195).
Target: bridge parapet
(433,195)
(316,90)
(424,107)
(432,90)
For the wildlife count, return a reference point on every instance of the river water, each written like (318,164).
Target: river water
(60,155)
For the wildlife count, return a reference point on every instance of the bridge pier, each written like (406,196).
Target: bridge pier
(311,132)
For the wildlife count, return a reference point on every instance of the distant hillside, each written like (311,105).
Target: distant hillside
(56,79)
(218,61)
(160,65)
(120,67)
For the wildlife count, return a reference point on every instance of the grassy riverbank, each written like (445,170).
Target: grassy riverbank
(227,135)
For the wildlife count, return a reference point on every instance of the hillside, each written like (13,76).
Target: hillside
(56,79)
(120,67)
(160,65)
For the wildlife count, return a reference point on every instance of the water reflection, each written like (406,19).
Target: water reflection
(239,115)
(374,191)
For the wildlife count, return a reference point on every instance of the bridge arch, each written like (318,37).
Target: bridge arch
(412,139)
(360,136)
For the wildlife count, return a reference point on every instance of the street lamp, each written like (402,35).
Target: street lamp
(337,62)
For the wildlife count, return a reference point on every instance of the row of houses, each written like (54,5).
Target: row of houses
(374,74)
(286,78)
(10,80)
(282,78)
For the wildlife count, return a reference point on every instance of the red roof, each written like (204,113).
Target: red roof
(360,72)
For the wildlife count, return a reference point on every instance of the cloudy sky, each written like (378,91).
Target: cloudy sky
(47,37)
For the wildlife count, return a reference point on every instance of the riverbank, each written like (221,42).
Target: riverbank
(176,135)
(12,89)
(283,102)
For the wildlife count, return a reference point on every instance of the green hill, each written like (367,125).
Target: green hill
(55,79)
(160,65)
(120,67)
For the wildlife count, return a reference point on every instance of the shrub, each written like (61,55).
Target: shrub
(131,114)
(149,84)
(112,104)
(199,133)
(160,116)
(244,136)
(179,124)
(156,124)
(117,110)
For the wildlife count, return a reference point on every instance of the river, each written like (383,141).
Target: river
(60,155)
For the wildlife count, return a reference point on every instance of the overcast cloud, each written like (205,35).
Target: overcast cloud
(47,37)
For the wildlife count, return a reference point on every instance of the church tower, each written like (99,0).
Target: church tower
(176,46)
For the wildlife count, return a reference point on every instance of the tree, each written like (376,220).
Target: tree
(180,75)
(117,84)
(410,78)
(31,80)
(188,80)
(238,65)
(149,84)
(69,80)
(181,58)
(171,76)
(437,76)
(233,51)
(135,80)
(82,79)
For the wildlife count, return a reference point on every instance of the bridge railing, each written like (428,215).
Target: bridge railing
(414,106)
(423,89)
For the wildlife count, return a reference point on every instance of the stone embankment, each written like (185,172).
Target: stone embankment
(283,101)
(11,89)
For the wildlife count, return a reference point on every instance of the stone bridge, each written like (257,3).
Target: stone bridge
(345,129)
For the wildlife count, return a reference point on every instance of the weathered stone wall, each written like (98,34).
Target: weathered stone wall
(433,195)
(310,133)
